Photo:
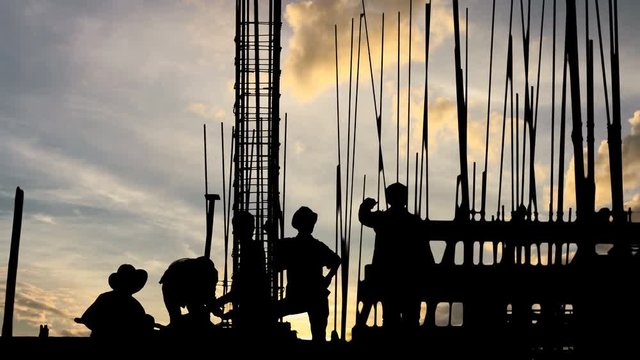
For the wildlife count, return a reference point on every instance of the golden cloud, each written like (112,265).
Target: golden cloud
(36,307)
(309,63)
(630,166)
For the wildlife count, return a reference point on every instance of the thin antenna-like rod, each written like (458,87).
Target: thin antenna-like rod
(338,184)
(229,201)
(525,121)
(381,181)
(381,66)
(424,149)
(335,32)
(284,175)
(373,86)
(398,109)
(257,132)
(466,56)
(517,149)
(483,194)
(338,241)
(508,78)
(604,68)
(206,179)
(364,188)
(415,185)
(563,115)
(409,91)
(225,223)
(590,185)
(349,123)
(250,165)
(345,264)
(355,132)
(514,172)
(553,114)
(525,39)
(533,201)
(344,225)
(473,191)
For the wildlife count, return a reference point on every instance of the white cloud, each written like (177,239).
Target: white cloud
(206,111)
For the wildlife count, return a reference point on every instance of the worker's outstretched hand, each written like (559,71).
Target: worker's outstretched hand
(369,203)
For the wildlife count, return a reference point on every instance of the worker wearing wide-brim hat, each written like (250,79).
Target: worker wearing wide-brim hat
(117,313)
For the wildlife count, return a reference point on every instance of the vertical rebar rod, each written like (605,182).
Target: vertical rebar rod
(483,194)
(409,91)
(553,114)
(424,148)
(398,108)
(225,223)
(563,114)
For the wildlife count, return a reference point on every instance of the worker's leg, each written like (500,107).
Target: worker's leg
(318,318)
(171,302)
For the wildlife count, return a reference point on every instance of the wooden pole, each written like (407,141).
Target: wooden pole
(12,271)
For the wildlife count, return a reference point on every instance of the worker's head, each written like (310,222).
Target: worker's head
(243,225)
(304,220)
(396,194)
(128,279)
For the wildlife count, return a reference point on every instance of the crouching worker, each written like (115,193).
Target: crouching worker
(117,314)
(190,283)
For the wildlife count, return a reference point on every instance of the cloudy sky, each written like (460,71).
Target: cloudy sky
(102,105)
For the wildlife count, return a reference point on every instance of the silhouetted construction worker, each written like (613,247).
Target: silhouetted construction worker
(190,283)
(250,289)
(304,258)
(117,313)
(400,256)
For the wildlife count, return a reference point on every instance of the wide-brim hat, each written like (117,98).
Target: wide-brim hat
(303,217)
(128,279)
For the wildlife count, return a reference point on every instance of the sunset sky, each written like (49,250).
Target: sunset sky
(102,105)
